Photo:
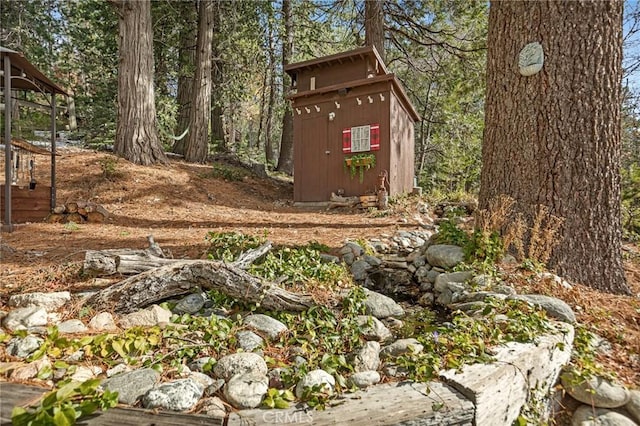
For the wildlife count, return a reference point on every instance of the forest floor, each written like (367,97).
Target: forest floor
(180,203)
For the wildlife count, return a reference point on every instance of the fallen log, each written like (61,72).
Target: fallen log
(182,277)
(134,261)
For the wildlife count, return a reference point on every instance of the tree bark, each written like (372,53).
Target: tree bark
(197,143)
(187,59)
(285,160)
(157,284)
(136,131)
(218,139)
(374,25)
(553,138)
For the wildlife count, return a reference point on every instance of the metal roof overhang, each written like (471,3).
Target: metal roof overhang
(25,76)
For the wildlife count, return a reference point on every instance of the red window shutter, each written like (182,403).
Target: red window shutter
(374,137)
(346,140)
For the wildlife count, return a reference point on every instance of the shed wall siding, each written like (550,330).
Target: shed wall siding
(335,74)
(401,158)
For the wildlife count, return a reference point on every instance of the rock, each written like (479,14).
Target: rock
(372,260)
(132,385)
(31,370)
(359,269)
(633,406)
(47,301)
(214,387)
(199,363)
(426,299)
(179,395)
(246,390)
(364,379)
(556,279)
(596,391)
(328,258)
(82,373)
(367,358)
(373,329)
(248,340)
(393,281)
(72,326)
(444,255)
(315,378)
(555,308)
(432,275)
(239,363)
(265,324)
(202,378)
(381,306)
(118,369)
(586,415)
(352,248)
(149,317)
(22,347)
(213,407)
(400,347)
(25,318)
(190,304)
(443,280)
(103,322)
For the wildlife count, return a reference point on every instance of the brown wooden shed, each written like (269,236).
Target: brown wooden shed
(348,105)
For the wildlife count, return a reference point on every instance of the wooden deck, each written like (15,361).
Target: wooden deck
(12,394)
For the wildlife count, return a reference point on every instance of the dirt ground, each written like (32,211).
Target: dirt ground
(180,203)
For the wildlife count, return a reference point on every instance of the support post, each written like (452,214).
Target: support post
(7,226)
(53,149)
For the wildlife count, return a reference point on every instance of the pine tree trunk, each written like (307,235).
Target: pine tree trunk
(187,59)
(217,112)
(553,138)
(197,142)
(374,25)
(136,131)
(285,160)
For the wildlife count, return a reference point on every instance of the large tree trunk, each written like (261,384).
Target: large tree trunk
(197,143)
(285,160)
(374,25)
(136,132)
(218,139)
(553,138)
(187,59)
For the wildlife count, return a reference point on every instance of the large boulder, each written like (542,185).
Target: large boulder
(444,255)
(239,363)
(179,395)
(596,391)
(246,390)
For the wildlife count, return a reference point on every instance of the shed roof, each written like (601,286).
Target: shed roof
(325,61)
(25,75)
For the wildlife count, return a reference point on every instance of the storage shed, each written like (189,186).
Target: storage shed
(348,111)
(22,201)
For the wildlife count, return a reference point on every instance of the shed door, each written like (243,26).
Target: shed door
(312,175)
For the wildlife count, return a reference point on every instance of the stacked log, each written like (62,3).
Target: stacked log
(78,212)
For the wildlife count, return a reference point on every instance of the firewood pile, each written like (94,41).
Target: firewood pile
(78,212)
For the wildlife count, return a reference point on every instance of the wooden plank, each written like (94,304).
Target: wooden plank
(12,394)
(28,205)
(426,404)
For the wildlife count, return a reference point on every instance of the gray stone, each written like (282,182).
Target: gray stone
(25,318)
(199,363)
(48,301)
(359,269)
(315,378)
(556,279)
(444,255)
(445,280)
(372,260)
(432,275)
(352,248)
(364,379)
(327,258)
(72,326)
(555,308)
(132,385)
(149,317)
(213,407)
(246,390)
(214,387)
(596,391)
(633,406)
(248,340)
(118,369)
(426,299)
(103,322)
(367,357)
(373,329)
(203,379)
(23,347)
(265,324)
(481,296)
(381,306)
(400,347)
(586,415)
(179,395)
(239,363)
(190,304)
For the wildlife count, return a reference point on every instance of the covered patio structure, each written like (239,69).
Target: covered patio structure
(18,74)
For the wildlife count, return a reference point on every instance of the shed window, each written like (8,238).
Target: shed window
(361,138)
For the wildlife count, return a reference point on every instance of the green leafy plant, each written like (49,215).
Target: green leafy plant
(65,405)
(227,246)
(227,172)
(359,163)
(278,398)
(109,167)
